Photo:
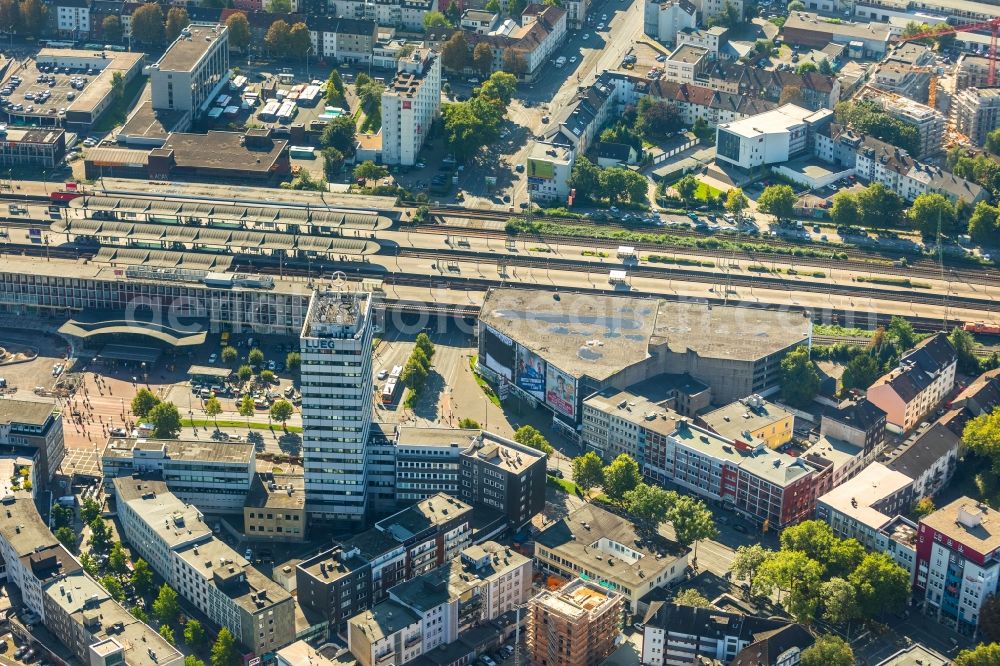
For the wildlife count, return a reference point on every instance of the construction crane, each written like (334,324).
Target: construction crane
(993,25)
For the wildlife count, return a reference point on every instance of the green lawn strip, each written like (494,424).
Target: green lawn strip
(118,111)
(206,423)
(894,282)
(487,389)
(840,331)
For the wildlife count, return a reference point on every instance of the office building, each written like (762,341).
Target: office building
(686,63)
(34,424)
(976,112)
(673,634)
(336,583)
(752,420)
(576,625)
(275,509)
(925,376)
(772,137)
(607,549)
(192,71)
(99,631)
(172,536)
(863,40)
(409,107)
(500,474)
(336,376)
(30,552)
(549,167)
(427,461)
(215,476)
(23,148)
(958,561)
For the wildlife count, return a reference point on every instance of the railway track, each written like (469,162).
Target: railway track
(924,268)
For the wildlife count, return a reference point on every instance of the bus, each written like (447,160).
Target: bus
(397,370)
(389,390)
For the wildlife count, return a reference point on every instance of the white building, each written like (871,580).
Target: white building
(343,39)
(710,8)
(768,138)
(192,71)
(23,536)
(72,18)
(336,343)
(685,64)
(663,20)
(216,476)
(409,106)
(710,39)
(549,167)
(389,634)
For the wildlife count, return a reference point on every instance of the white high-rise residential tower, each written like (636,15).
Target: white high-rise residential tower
(336,376)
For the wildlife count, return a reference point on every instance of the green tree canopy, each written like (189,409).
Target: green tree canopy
(166,421)
(840,601)
(621,476)
(687,187)
(807,67)
(655,119)
(799,378)
(117,559)
(224,651)
(282,410)
(965,348)
(748,561)
(882,585)
(166,607)
(368,170)
(114,587)
(777,200)
(229,354)
(100,535)
(256,357)
(455,52)
(239,31)
(143,403)
(177,20)
(930,210)
(89,510)
(433,20)
(649,505)
(861,372)
(529,436)
(588,470)
(500,86)
(142,577)
(984,227)
(148,24)
(298,40)
(692,597)
(68,538)
(194,633)
(828,650)
(844,211)
(168,634)
(111,29)
(736,201)
(794,573)
(277,36)
(482,58)
(982,437)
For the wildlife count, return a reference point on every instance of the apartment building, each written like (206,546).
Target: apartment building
(685,64)
(479,21)
(549,167)
(34,424)
(579,123)
(275,509)
(72,18)
(958,561)
(500,474)
(409,106)
(336,584)
(928,456)
(192,71)
(172,536)
(30,552)
(664,20)
(971,71)
(708,9)
(215,476)
(593,543)
(976,112)
(906,72)
(835,462)
(858,422)
(389,634)
(929,123)
(336,385)
(99,631)
(711,39)
(479,586)
(576,625)
(751,420)
(698,101)
(925,376)
(345,40)
(818,91)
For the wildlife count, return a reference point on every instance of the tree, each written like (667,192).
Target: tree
(799,379)
(62,516)
(989,619)
(777,200)
(267,377)
(298,40)
(213,407)
(515,8)
(514,63)
(239,31)
(282,410)
(844,211)
(924,507)
(414,375)
(142,577)
(453,12)
(930,210)
(455,52)
(117,559)
(983,655)
(279,6)
(807,67)
(840,601)
(471,125)
(111,29)
(10,16)
(736,201)
(468,424)
(247,408)
(482,58)
(194,633)
(901,331)
(861,372)
(277,36)
(114,587)
(493,6)
(192,660)
(621,476)
(88,563)
(649,505)
(224,652)
(817,541)
(793,572)
(588,470)
(748,561)
(89,510)
(256,357)
(68,538)
(686,188)
(147,24)
(229,354)
(529,436)
(166,608)
(586,179)
(983,224)
(825,68)
(965,348)
(177,20)
(335,89)
(139,613)
(33,17)
(828,650)
(654,120)
(167,633)
(166,421)
(244,373)
(795,5)
(100,535)
(436,20)
(982,437)
(368,170)
(882,585)
(293,361)
(339,133)
(879,207)
(500,86)
(692,597)
(692,521)
(143,403)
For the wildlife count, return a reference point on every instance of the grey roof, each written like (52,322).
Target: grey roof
(383,620)
(710,623)
(21,526)
(768,646)
(27,412)
(920,453)
(860,414)
(425,514)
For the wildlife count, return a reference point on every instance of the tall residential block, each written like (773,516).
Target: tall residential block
(575,625)
(336,383)
(409,106)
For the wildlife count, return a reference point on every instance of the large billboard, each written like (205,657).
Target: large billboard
(498,350)
(541,169)
(560,391)
(530,373)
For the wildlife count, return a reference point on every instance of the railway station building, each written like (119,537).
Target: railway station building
(554,349)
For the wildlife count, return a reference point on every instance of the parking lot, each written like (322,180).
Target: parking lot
(42,91)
